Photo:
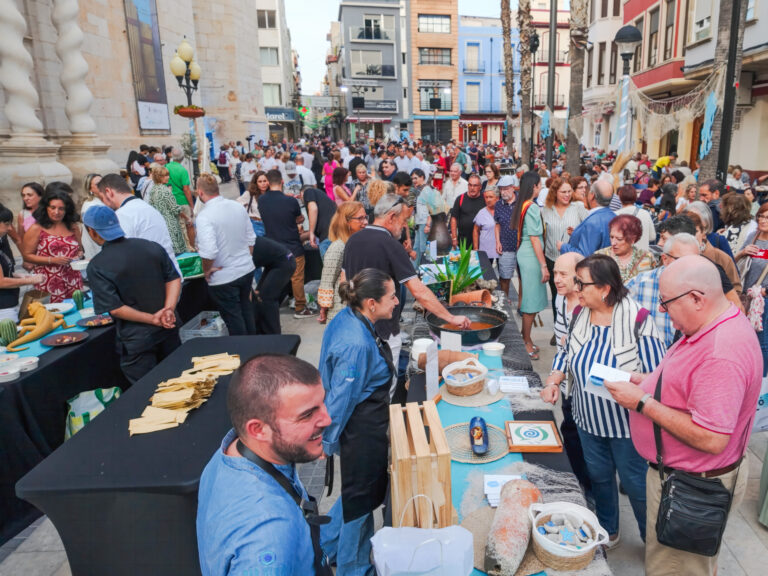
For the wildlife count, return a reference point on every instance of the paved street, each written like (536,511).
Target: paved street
(38,550)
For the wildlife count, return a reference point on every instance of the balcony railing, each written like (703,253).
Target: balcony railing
(561,56)
(474,67)
(375,71)
(371,34)
(502,69)
(542,100)
(473,107)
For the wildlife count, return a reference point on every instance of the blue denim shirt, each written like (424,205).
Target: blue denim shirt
(592,234)
(352,368)
(247,524)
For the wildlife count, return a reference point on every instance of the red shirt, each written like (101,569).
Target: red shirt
(715,376)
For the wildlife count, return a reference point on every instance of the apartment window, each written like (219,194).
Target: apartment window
(439,56)
(589,67)
(272,95)
(434,23)
(269,57)
(750,10)
(616,8)
(472,57)
(701,27)
(601,64)
(377,27)
(603,8)
(368,63)
(653,38)
(472,96)
(613,64)
(265,18)
(637,61)
(669,29)
(435,89)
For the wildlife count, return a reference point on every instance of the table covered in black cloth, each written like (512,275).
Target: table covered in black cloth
(33,412)
(127,505)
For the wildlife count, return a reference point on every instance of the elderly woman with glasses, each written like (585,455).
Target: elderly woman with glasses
(608,329)
(624,231)
(350,217)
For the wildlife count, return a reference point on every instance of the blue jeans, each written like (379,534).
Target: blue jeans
(763,337)
(604,456)
(233,300)
(420,244)
(258,229)
(348,543)
(323,247)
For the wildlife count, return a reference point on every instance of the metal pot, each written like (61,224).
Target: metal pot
(496,318)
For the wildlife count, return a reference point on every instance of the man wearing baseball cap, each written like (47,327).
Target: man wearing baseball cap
(135,281)
(506,237)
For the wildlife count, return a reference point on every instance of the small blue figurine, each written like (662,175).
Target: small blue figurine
(478,436)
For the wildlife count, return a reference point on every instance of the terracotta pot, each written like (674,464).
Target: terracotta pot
(190,112)
(476,297)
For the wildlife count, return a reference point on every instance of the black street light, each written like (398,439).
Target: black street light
(533,46)
(627,39)
(187,73)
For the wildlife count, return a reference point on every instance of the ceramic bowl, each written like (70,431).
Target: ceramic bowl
(8,373)
(8,358)
(493,348)
(87,313)
(79,265)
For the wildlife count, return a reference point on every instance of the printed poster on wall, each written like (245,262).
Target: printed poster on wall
(147,64)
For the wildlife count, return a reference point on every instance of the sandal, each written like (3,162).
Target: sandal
(534,355)
(536,348)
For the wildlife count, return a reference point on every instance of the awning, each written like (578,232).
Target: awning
(496,122)
(366,120)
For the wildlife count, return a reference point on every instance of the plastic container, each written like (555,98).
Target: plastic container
(207,324)
(560,557)
(493,348)
(465,378)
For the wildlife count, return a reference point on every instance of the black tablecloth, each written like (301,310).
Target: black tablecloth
(127,505)
(33,412)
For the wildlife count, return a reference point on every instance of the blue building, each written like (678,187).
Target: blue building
(482,79)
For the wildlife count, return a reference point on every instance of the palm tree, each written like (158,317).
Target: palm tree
(708,165)
(524,25)
(579,34)
(509,72)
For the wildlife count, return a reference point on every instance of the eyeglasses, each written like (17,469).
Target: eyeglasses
(763,217)
(358,218)
(579,284)
(664,304)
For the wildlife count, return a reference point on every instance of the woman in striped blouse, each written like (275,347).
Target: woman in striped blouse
(613,330)
(560,216)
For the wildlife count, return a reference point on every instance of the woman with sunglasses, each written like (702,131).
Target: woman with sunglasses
(350,217)
(613,330)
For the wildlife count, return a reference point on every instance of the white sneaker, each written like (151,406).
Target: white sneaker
(613,542)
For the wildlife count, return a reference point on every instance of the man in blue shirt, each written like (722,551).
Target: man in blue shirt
(593,233)
(248,523)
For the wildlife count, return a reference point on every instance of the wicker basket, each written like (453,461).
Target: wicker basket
(578,562)
(470,366)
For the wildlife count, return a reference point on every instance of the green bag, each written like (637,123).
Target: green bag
(86,406)
(190,264)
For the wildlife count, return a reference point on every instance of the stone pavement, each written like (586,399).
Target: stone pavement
(38,550)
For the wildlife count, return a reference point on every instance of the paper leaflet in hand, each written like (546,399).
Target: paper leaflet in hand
(600,373)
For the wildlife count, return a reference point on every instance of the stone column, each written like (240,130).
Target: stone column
(83,153)
(26,155)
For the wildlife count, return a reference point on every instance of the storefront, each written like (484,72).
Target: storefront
(282,123)
(367,127)
(482,130)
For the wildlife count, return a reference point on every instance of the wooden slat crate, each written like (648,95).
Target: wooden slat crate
(421,464)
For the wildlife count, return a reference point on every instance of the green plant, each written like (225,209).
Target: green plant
(458,272)
(79,299)
(8,332)
(188,143)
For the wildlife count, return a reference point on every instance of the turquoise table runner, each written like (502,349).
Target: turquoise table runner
(496,414)
(37,349)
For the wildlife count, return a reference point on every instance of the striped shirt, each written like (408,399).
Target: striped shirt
(557,227)
(594,414)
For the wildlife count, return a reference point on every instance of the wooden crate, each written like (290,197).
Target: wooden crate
(421,464)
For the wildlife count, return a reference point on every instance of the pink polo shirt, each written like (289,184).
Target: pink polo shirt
(714,376)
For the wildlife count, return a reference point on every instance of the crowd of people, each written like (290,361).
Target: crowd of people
(648,269)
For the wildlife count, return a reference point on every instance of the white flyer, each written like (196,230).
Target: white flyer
(600,373)
(450,341)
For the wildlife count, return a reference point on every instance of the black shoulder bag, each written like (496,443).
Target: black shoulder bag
(693,509)
(308,507)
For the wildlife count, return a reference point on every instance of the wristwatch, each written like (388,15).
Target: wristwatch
(641,404)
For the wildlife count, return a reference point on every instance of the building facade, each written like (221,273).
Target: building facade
(602,75)
(750,136)
(83,83)
(482,79)
(434,94)
(540,14)
(372,80)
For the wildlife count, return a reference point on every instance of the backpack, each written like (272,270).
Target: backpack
(222,158)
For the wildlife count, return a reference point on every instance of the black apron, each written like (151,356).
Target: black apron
(308,507)
(364,446)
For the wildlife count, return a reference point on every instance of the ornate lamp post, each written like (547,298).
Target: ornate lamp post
(627,39)
(533,46)
(187,73)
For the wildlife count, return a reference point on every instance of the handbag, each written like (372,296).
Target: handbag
(748,298)
(86,406)
(693,510)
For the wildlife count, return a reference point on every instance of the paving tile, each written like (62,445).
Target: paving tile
(63,571)
(33,563)
(44,538)
(727,564)
(748,509)
(750,551)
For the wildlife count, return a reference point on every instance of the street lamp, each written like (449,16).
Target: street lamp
(627,39)
(435,104)
(533,45)
(187,73)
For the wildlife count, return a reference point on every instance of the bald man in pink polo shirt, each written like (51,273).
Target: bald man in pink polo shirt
(710,388)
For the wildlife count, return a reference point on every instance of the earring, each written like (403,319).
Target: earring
(603,298)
